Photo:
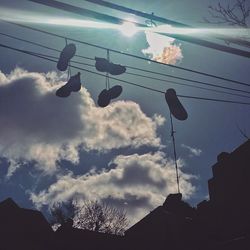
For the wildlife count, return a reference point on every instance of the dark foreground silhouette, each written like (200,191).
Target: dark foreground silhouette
(222,223)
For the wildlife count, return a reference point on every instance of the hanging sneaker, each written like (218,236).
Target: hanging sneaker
(66,55)
(116,69)
(64,91)
(175,106)
(101,64)
(104,98)
(74,83)
(115,91)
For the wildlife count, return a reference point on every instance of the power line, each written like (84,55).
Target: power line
(134,74)
(127,82)
(153,78)
(28,41)
(127,54)
(153,17)
(178,83)
(116,20)
(190,80)
(135,68)
(237,41)
(39,45)
(137,13)
(169,81)
(81,11)
(188,85)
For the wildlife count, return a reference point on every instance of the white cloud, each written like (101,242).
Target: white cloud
(13,166)
(39,127)
(162,49)
(192,151)
(136,183)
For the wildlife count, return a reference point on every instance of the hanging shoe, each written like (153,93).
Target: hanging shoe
(115,91)
(116,69)
(104,98)
(66,55)
(175,106)
(101,64)
(64,91)
(74,83)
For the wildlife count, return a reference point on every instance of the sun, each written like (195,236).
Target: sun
(128,29)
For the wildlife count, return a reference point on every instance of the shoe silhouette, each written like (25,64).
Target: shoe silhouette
(104,98)
(103,65)
(63,91)
(73,85)
(115,91)
(116,69)
(67,53)
(175,106)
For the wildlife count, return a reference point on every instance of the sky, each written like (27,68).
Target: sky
(54,149)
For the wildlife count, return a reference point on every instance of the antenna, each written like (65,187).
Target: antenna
(175,155)
(107,74)
(179,112)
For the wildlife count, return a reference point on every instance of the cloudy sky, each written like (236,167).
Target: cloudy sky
(54,149)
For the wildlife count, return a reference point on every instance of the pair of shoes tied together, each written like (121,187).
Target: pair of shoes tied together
(73,85)
(107,95)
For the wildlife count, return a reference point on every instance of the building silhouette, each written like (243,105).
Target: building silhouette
(229,191)
(22,228)
(220,223)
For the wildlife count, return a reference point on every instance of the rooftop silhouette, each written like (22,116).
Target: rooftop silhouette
(220,223)
(23,228)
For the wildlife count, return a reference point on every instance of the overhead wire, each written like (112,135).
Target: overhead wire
(116,20)
(140,69)
(129,73)
(190,80)
(130,55)
(127,82)
(153,17)
(71,8)
(40,45)
(157,79)
(137,12)
(187,85)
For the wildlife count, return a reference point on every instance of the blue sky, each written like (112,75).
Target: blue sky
(56,149)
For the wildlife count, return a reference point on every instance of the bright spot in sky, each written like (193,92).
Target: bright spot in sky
(128,29)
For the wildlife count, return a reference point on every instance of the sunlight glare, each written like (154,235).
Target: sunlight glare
(128,29)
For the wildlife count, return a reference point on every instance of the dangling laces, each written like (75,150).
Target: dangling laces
(69,69)
(107,74)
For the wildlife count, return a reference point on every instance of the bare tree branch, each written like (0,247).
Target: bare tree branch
(236,14)
(61,212)
(92,215)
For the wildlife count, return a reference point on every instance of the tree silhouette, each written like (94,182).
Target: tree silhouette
(236,14)
(91,215)
(60,213)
